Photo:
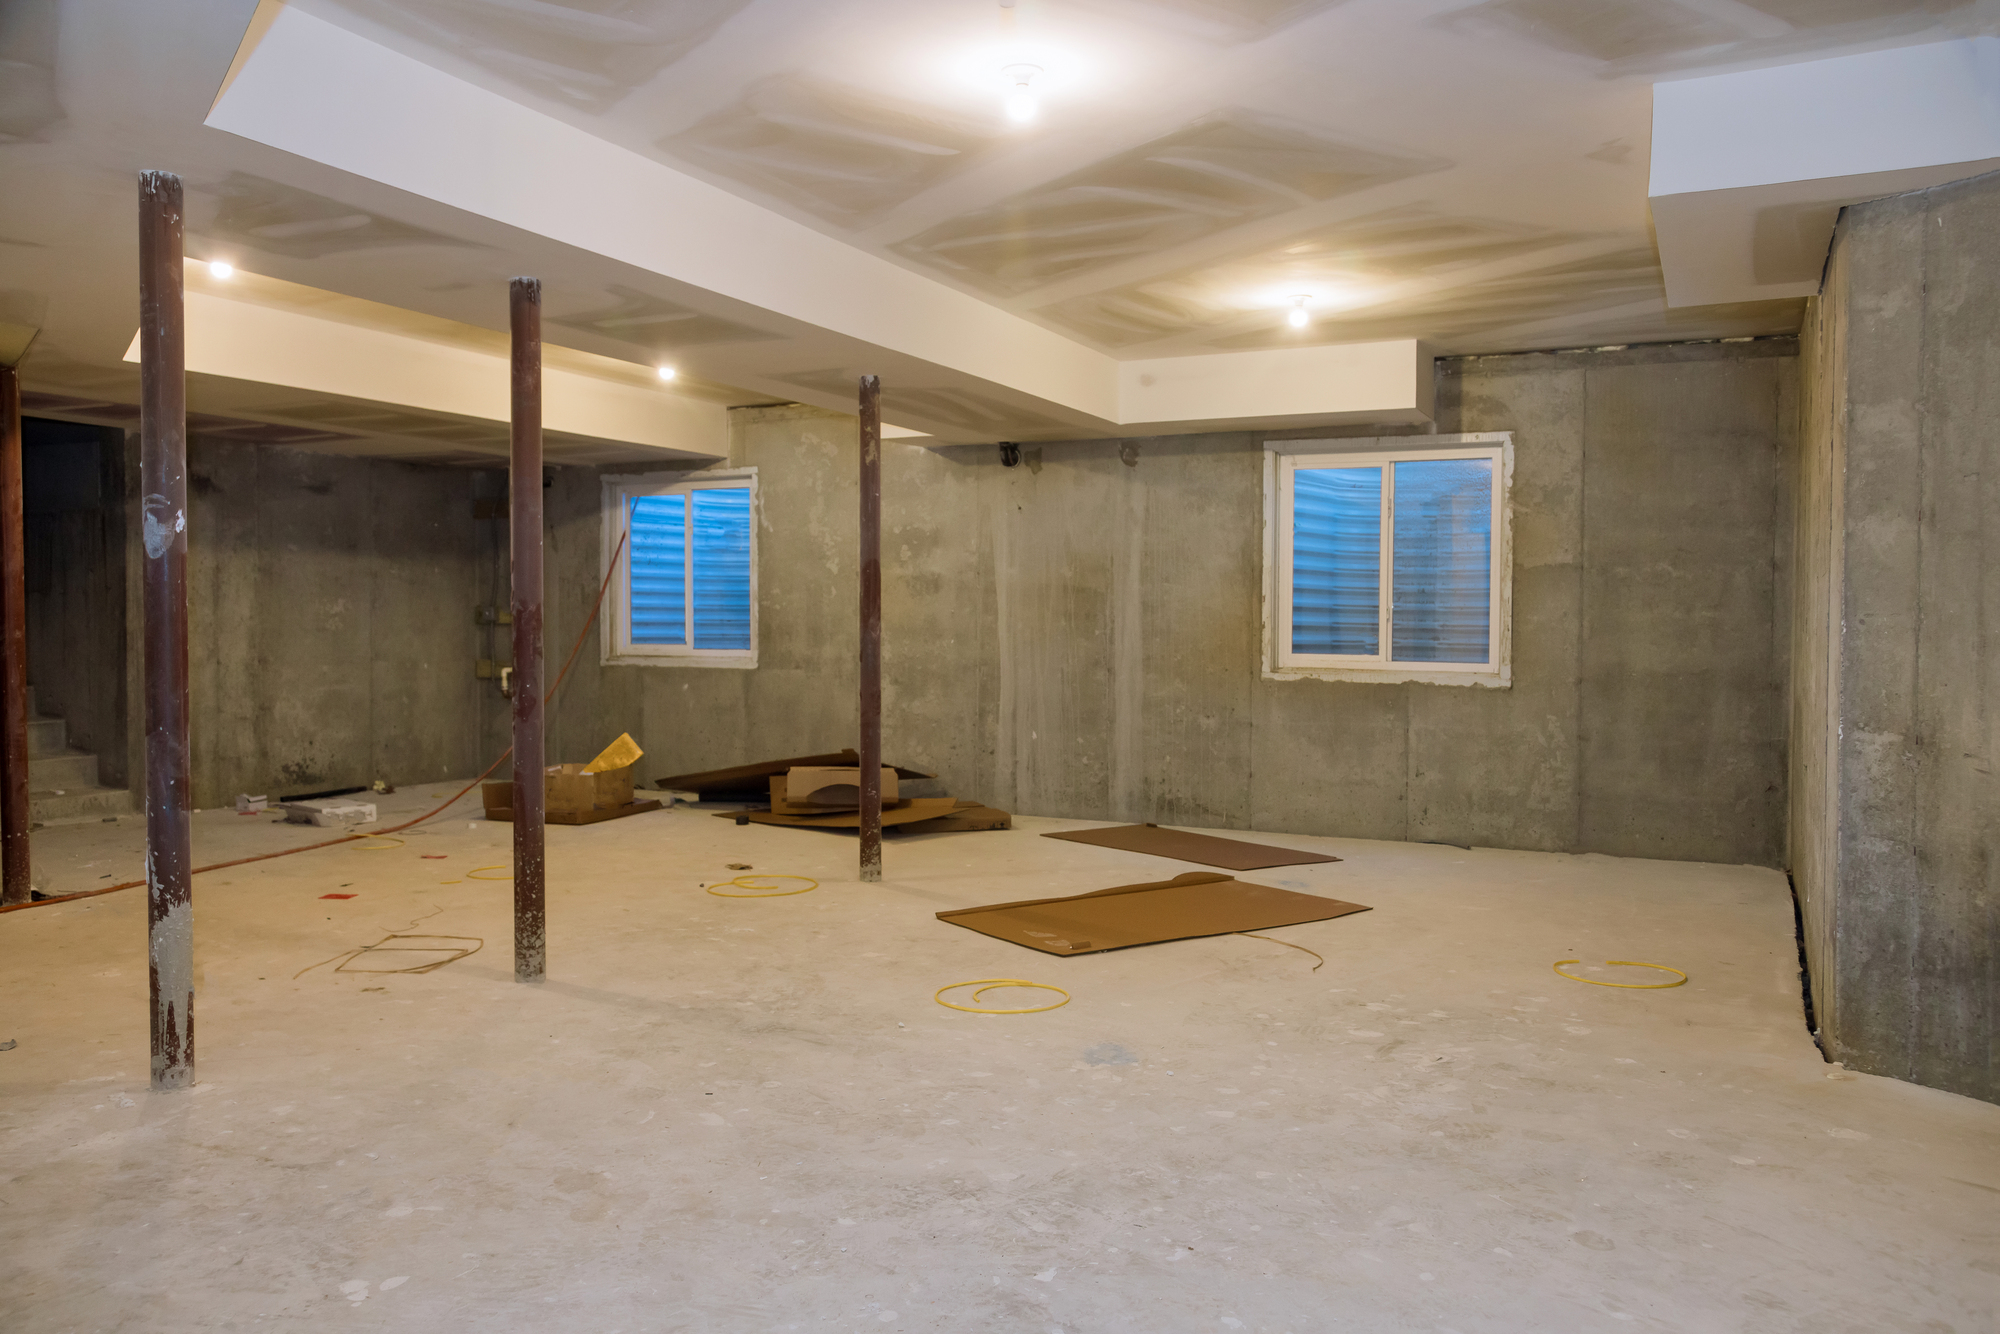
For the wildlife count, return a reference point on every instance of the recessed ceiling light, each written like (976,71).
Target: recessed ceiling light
(1022,104)
(220,269)
(667,372)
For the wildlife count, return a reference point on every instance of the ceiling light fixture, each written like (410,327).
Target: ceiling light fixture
(1298,319)
(1022,103)
(667,372)
(220,269)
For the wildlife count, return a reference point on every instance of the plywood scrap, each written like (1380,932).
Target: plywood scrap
(1184,908)
(749,782)
(1229,853)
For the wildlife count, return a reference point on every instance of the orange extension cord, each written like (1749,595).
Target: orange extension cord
(376,833)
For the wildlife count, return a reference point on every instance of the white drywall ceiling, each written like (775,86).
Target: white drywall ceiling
(1472,174)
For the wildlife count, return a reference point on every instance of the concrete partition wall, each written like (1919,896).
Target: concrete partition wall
(1079,635)
(331,624)
(1896,809)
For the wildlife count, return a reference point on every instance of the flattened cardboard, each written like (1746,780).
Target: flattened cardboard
(834,787)
(965,818)
(782,804)
(916,815)
(1206,849)
(913,809)
(746,782)
(1187,907)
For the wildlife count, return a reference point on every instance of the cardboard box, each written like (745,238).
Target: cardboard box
(828,788)
(570,789)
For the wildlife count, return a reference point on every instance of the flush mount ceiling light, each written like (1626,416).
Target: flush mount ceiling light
(667,372)
(1298,319)
(1022,103)
(220,269)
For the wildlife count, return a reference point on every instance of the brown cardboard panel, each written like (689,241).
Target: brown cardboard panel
(1228,853)
(968,816)
(834,787)
(1196,904)
(916,808)
(747,782)
(920,815)
(597,816)
(782,804)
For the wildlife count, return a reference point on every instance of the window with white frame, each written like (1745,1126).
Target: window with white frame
(1390,559)
(685,585)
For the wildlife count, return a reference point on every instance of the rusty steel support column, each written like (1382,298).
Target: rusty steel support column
(163,517)
(524,488)
(16,884)
(871,628)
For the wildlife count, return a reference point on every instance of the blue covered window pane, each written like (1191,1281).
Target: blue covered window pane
(659,570)
(1336,560)
(721,603)
(1441,604)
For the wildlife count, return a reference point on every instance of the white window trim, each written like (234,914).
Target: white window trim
(615,635)
(1282,456)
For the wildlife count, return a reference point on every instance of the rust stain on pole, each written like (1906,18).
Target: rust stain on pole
(524,487)
(871,628)
(163,516)
(15,813)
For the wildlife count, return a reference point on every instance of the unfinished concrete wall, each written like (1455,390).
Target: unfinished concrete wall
(1896,841)
(330,621)
(74,535)
(1079,635)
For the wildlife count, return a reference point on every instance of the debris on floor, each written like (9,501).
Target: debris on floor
(821,796)
(329,812)
(1188,906)
(915,815)
(1229,853)
(580,793)
(249,805)
(751,782)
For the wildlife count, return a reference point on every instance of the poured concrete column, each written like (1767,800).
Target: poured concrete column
(163,509)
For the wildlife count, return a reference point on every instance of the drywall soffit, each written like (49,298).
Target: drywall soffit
(964,368)
(274,343)
(1750,170)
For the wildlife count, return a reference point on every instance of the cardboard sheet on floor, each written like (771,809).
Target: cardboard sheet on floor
(922,815)
(1229,853)
(1199,903)
(750,782)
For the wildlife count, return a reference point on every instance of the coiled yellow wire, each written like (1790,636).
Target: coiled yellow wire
(986,984)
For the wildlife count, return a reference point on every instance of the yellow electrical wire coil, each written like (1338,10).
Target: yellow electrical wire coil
(473,874)
(1625,963)
(761,891)
(987,984)
(384,846)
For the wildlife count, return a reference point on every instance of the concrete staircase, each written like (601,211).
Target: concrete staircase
(62,783)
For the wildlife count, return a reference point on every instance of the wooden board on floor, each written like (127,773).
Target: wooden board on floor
(1208,850)
(581,817)
(1196,904)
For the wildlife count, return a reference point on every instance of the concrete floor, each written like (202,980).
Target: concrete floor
(730,1115)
